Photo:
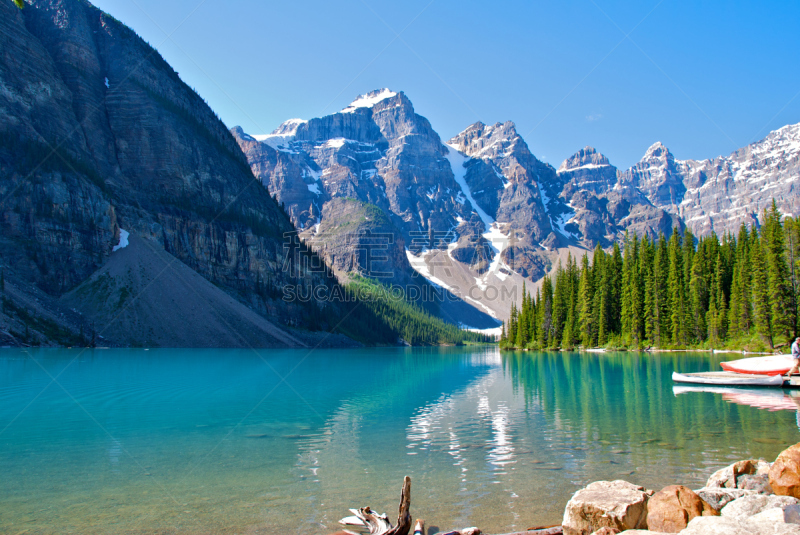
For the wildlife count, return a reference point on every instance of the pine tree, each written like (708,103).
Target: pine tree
(792,234)
(778,275)
(560,301)
(761,305)
(585,302)
(676,292)
(626,314)
(569,337)
(615,281)
(698,298)
(637,295)
(512,325)
(716,316)
(648,260)
(547,312)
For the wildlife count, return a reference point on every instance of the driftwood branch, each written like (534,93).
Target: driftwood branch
(404,514)
(379,524)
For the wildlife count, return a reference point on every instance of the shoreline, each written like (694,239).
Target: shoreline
(651,350)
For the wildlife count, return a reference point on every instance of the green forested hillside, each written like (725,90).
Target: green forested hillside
(740,291)
(379,314)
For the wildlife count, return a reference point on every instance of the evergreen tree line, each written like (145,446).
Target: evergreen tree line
(679,292)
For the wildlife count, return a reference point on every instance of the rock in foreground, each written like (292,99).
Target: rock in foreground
(784,476)
(614,504)
(670,509)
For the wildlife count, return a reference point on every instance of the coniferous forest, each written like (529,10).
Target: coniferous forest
(738,292)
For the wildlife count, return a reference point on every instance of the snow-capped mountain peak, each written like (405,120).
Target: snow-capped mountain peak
(587,157)
(288,127)
(656,150)
(368,100)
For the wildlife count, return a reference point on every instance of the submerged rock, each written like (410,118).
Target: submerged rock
(614,504)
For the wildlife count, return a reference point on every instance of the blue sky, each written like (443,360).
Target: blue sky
(704,77)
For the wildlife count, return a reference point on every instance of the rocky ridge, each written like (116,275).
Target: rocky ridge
(483,206)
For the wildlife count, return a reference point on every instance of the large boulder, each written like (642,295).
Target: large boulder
(784,476)
(670,509)
(614,504)
(722,525)
(735,475)
(748,506)
(718,497)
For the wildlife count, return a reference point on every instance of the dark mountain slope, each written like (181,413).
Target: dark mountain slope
(100,134)
(143,296)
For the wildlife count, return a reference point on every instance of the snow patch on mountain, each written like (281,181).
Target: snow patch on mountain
(123,240)
(368,100)
(564,169)
(335,143)
(278,142)
(418,264)
(457,161)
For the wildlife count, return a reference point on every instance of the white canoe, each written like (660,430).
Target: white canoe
(727,378)
(770,365)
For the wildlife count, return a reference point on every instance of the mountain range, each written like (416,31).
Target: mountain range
(132,216)
(479,212)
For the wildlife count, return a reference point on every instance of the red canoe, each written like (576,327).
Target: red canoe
(771,365)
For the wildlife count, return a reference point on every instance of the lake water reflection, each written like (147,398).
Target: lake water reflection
(190,441)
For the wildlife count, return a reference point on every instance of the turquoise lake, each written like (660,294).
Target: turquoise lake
(210,441)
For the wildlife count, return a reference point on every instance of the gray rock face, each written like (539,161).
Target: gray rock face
(600,206)
(659,176)
(100,133)
(515,187)
(587,170)
(377,151)
(356,237)
(446,197)
(720,194)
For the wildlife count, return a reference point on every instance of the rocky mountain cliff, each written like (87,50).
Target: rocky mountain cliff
(481,210)
(720,194)
(100,134)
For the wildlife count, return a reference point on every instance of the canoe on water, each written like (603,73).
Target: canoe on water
(770,365)
(727,378)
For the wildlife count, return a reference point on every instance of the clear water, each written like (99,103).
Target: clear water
(188,441)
